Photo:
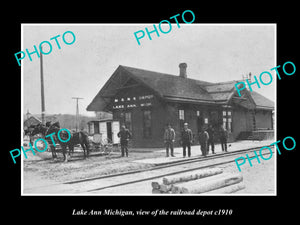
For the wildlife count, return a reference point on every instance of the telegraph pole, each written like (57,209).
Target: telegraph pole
(42,89)
(77,110)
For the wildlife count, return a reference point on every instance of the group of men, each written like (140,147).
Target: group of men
(206,139)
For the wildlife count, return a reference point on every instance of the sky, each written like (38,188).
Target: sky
(213,53)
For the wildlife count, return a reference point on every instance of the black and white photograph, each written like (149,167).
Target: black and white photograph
(146,113)
(164,109)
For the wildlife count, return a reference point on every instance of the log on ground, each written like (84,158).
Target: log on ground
(192,175)
(176,190)
(208,184)
(156,191)
(228,189)
(165,188)
(155,185)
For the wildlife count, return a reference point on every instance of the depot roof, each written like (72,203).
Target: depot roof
(172,88)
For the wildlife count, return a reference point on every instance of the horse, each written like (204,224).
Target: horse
(28,132)
(76,138)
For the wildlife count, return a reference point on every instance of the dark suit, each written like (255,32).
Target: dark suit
(169,137)
(203,138)
(186,140)
(211,141)
(223,139)
(124,136)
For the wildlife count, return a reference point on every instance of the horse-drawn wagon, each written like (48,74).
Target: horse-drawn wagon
(103,135)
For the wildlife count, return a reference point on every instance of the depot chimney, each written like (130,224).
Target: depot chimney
(182,70)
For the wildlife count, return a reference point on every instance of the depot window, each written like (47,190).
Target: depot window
(181,114)
(227,120)
(125,119)
(128,121)
(147,121)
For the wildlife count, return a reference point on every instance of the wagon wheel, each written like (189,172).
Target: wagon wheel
(95,141)
(107,145)
(113,148)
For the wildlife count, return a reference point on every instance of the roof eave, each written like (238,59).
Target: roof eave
(188,100)
(265,107)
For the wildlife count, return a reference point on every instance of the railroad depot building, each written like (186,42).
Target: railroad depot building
(146,101)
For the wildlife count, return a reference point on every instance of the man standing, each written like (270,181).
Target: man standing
(186,139)
(203,139)
(124,136)
(169,138)
(54,156)
(223,138)
(211,141)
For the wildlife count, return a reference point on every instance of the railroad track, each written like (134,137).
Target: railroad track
(167,165)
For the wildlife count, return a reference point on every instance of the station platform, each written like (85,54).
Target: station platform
(196,152)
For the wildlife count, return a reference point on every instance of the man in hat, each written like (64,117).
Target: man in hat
(124,136)
(223,138)
(169,138)
(203,139)
(211,141)
(186,139)
(50,143)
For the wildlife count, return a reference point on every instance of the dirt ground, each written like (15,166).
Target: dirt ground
(258,179)
(41,171)
(41,165)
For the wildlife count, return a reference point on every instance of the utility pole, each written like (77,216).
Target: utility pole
(77,111)
(42,89)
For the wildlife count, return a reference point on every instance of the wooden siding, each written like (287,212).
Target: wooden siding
(263,119)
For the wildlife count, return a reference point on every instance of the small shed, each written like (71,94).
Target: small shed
(31,121)
(106,129)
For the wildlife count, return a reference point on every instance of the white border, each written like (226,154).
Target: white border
(143,24)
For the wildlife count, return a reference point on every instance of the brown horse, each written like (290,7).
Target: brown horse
(61,136)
